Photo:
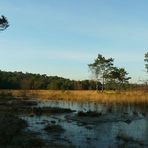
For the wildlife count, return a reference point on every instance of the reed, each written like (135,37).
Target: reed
(125,97)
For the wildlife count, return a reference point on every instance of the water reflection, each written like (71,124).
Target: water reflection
(100,134)
(87,106)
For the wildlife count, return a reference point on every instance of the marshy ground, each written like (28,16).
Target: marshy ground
(124,97)
(36,123)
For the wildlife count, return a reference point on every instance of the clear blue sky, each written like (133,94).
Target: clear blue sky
(61,37)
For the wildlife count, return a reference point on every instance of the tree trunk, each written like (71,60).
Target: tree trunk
(103,84)
(97,85)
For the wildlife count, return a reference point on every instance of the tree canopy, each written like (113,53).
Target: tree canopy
(100,68)
(3,23)
(106,73)
(146,60)
(118,77)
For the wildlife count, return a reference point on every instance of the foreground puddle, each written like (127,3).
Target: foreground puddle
(110,126)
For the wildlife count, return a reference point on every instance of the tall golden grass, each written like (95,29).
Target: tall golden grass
(127,97)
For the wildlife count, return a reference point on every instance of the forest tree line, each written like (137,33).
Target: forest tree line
(26,81)
(20,80)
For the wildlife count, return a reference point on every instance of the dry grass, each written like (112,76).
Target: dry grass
(131,97)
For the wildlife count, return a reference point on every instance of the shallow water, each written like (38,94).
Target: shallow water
(94,132)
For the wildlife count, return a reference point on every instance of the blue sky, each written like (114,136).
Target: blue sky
(61,37)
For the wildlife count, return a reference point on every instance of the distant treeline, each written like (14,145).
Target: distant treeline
(20,80)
